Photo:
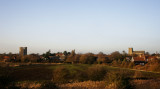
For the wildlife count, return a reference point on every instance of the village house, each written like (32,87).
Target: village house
(54,59)
(6,59)
(139,60)
(128,58)
(150,58)
(61,56)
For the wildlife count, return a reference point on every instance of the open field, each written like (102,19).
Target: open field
(77,75)
(44,72)
(37,72)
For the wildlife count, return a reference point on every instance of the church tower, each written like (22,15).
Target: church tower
(130,51)
(22,51)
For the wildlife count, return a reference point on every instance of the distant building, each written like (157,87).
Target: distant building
(22,51)
(54,59)
(139,60)
(128,58)
(5,59)
(131,52)
(150,58)
(61,56)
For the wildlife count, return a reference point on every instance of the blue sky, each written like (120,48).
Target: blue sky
(84,25)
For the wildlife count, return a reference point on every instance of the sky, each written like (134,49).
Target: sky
(84,25)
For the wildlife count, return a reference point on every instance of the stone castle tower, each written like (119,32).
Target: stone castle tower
(130,51)
(22,51)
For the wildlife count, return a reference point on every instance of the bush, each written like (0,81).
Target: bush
(96,73)
(80,76)
(138,75)
(117,80)
(4,81)
(7,82)
(88,58)
(13,87)
(131,65)
(48,85)
(61,75)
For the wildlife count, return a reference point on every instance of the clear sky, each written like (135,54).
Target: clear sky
(83,25)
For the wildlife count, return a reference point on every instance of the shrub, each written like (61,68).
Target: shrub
(12,86)
(7,82)
(79,76)
(48,85)
(117,80)
(96,73)
(115,63)
(101,60)
(88,58)
(61,75)
(131,65)
(137,75)
(4,81)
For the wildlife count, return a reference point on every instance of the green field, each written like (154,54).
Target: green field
(37,72)
(45,72)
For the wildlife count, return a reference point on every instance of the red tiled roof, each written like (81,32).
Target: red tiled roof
(139,58)
(152,57)
(59,54)
(6,57)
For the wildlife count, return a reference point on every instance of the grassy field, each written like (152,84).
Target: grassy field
(45,72)
(38,73)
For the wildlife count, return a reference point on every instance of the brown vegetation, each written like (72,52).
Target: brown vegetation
(61,75)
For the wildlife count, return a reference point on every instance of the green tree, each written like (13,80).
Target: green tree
(116,56)
(33,57)
(77,58)
(47,54)
(88,58)
(102,60)
(65,53)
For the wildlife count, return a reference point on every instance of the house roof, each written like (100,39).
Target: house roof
(152,57)
(59,54)
(139,58)
(139,52)
(6,57)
